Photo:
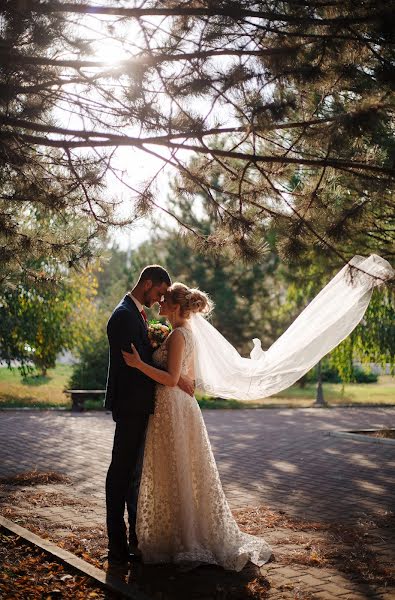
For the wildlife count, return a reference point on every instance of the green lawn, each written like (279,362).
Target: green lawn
(382,392)
(38,391)
(47,392)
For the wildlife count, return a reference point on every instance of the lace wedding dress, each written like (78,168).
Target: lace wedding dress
(182,514)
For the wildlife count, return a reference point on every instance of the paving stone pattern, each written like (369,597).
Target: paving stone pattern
(283,458)
(280,457)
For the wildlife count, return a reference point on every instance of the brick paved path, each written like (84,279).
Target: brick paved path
(283,458)
(280,457)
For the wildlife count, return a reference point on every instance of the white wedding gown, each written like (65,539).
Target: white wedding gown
(182,514)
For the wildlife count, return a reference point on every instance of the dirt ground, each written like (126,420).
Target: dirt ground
(309,557)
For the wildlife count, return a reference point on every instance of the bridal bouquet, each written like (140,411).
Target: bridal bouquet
(157,333)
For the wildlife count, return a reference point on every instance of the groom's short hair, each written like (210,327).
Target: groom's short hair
(156,274)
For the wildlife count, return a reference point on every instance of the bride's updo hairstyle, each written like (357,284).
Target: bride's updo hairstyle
(191,300)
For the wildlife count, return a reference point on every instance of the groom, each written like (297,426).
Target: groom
(130,397)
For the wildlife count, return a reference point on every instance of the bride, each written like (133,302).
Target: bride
(182,514)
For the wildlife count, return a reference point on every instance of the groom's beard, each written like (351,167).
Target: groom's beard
(147,300)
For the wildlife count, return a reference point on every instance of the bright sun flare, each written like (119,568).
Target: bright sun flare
(110,52)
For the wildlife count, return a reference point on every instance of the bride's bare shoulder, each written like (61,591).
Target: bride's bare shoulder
(176,336)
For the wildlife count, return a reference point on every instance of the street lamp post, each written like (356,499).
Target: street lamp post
(319,399)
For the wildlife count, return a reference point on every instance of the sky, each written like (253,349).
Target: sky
(132,165)
(135,165)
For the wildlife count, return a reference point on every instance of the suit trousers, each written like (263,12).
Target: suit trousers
(122,483)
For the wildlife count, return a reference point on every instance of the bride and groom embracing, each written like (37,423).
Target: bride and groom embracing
(162,468)
(162,465)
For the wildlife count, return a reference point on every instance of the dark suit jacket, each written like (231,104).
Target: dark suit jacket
(128,391)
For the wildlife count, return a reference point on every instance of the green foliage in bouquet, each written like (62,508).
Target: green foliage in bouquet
(158,332)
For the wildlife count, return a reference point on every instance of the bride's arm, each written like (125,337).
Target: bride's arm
(175,350)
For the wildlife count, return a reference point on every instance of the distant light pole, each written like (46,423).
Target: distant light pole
(319,399)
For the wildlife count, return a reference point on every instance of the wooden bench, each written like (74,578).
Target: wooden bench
(78,398)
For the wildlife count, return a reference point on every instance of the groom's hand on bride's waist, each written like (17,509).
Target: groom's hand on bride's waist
(187,385)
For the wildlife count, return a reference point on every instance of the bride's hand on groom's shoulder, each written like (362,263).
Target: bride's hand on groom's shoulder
(132,359)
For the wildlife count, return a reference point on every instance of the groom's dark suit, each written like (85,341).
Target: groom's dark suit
(130,397)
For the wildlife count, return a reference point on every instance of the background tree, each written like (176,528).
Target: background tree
(373,341)
(37,323)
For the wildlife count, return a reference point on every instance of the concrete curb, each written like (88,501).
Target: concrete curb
(34,408)
(353,435)
(101,577)
(263,407)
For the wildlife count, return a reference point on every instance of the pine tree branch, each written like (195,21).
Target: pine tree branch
(145,59)
(233,11)
(215,131)
(256,158)
(312,229)
(116,140)
(11,88)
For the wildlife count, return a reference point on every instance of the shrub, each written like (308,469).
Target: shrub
(331,375)
(90,373)
(361,376)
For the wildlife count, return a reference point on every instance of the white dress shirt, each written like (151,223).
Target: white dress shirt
(137,302)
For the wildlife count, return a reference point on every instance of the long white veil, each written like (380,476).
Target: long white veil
(322,325)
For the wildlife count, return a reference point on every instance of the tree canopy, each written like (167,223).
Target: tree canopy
(280,112)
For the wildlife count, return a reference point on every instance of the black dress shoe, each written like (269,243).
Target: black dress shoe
(116,560)
(118,570)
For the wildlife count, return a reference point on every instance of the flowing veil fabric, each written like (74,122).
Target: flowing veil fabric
(323,324)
